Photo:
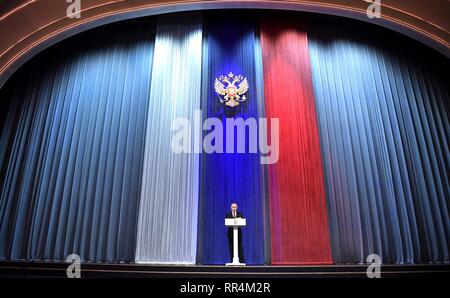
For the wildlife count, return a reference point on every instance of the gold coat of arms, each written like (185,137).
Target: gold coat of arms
(231,89)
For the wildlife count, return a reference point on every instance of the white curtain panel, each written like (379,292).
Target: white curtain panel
(167,226)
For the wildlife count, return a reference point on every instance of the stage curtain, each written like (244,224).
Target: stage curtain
(167,229)
(298,215)
(383,112)
(72,148)
(230,177)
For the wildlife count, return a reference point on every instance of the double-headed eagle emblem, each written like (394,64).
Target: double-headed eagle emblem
(225,87)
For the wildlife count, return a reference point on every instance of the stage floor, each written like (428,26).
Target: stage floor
(58,269)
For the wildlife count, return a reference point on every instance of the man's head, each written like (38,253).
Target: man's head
(233,207)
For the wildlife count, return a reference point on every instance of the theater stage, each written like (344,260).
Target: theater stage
(22,269)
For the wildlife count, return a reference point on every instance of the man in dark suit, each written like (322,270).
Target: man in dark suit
(235,214)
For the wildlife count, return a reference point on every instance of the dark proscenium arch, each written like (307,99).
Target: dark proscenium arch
(12,56)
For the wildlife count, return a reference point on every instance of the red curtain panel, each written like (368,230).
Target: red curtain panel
(298,215)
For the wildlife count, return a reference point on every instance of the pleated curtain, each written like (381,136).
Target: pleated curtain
(231,177)
(383,110)
(167,225)
(87,164)
(72,148)
(298,213)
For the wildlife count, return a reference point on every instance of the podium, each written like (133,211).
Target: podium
(235,223)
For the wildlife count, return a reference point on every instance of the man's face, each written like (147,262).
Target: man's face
(233,207)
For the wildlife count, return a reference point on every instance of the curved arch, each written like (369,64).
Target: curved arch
(37,27)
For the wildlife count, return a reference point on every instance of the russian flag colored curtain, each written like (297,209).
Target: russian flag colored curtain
(298,215)
(73,144)
(384,128)
(167,224)
(87,164)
